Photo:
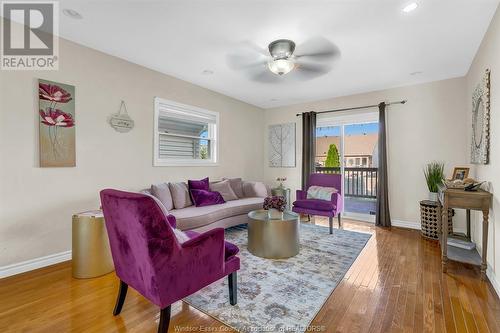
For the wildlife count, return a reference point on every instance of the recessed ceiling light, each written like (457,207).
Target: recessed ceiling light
(410,7)
(207,72)
(72,13)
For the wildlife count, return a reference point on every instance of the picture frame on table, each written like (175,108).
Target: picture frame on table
(460,173)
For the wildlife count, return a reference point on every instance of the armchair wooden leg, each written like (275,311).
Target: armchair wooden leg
(340,220)
(122,292)
(330,222)
(233,288)
(164,319)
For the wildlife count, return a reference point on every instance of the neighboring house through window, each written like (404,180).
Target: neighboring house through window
(184,135)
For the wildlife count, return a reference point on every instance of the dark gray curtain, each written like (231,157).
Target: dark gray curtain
(383,218)
(308,145)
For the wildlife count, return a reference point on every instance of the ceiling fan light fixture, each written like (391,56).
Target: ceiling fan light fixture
(281,66)
(410,7)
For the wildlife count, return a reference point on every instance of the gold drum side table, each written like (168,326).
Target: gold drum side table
(273,238)
(91,254)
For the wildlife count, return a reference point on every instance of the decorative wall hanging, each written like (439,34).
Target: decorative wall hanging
(121,121)
(282,146)
(56,103)
(480,145)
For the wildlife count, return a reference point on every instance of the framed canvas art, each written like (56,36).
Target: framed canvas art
(56,108)
(282,146)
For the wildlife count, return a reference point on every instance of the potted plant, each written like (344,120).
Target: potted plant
(434,175)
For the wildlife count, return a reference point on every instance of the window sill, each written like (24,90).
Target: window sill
(184,164)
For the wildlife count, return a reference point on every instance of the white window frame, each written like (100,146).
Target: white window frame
(162,106)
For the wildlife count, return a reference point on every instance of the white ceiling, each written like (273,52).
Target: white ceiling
(380,45)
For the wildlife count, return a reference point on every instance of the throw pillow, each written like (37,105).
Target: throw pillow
(321,192)
(236,185)
(206,198)
(180,235)
(255,189)
(224,188)
(202,184)
(162,192)
(180,195)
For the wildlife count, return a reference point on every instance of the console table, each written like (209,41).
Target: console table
(458,198)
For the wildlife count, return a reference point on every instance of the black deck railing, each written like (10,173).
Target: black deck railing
(358,182)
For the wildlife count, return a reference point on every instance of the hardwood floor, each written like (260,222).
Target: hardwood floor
(395,285)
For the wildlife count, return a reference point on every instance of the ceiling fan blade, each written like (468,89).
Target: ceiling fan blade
(247,55)
(318,48)
(244,61)
(307,71)
(255,48)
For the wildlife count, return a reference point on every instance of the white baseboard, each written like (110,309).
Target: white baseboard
(33,264)
(493,279)
(405,224)
(371,219)
(359,217)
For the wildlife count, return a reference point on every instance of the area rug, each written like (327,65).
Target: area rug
(282,295)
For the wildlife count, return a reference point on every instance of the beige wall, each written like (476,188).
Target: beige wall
(429,127)
(488,56)
(36,204)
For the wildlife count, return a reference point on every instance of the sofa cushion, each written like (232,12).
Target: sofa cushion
(315,204)
(181,235)
(203,198)
(180,195)
(224,188)
(254,189)
(162,192)
(195,217)
(236,185)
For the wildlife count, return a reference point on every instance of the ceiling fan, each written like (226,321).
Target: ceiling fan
(312,58)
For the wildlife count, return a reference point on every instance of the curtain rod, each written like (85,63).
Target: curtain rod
(358,107)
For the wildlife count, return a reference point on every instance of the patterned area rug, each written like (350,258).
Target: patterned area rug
(282,295)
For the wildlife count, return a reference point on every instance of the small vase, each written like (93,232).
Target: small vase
(433,196)
(275,214)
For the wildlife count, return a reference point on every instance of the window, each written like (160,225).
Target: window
(184,135)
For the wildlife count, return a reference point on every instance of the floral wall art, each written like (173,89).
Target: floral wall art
(57,124)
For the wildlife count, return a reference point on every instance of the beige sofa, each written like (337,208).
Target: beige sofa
(225,215)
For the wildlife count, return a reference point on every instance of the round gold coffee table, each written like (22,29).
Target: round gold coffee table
(273,238)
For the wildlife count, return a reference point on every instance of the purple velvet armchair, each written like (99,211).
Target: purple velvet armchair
(149,258)
(321,207)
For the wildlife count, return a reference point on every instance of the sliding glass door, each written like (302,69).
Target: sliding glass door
(348,145)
